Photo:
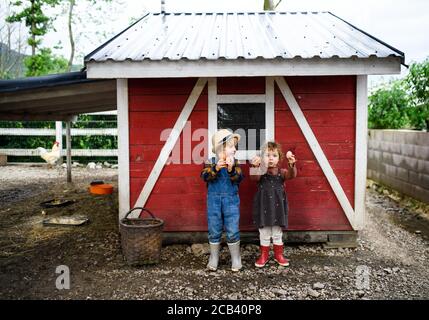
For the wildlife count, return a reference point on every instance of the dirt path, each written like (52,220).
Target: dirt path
(390,253)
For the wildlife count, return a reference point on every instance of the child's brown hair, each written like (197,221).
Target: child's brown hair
(271,146)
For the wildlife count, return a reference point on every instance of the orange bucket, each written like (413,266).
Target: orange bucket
(101,188)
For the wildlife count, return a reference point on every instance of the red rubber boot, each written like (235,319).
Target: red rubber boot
(264,257)
(278,256)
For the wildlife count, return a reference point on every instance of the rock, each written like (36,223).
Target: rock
(106,164)
(417,232)
(114,166)
(318,286)
(233,296)
(280,292)
(252,247)
(396,269)
(98,167)
(361,293)
(91,165)
(64,165)
(387,270)
(313,293)
(200,249)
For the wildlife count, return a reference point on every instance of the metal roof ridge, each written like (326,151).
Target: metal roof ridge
(236,12)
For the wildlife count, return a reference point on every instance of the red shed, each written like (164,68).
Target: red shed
(297,77)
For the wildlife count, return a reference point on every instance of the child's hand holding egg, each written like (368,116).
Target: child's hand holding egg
(290,158)
(256,161)
(229,162)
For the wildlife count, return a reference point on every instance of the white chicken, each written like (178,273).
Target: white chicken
(52,156)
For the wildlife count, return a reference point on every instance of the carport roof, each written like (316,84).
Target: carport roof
(55,97)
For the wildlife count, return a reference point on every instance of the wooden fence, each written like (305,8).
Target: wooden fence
(58,132)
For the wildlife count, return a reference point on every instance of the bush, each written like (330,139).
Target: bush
(388,107)
(417,83)
(402,103)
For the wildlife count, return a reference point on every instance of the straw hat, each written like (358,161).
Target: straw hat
(222,136)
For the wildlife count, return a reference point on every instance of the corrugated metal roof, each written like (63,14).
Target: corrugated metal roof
(267,35)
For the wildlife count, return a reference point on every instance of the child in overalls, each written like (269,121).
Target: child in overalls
(270,205)
(223,176)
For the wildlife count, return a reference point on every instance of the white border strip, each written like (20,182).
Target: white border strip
(361,149)
(212,113)
(317,150)
(123,148)
(242,68)
(240,98)
(170,143)
(269,111)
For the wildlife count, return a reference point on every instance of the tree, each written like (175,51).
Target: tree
(86,23)
(45,63)
(32,15)
(269,5)
(12,45)
(77,16)
(388,107)
(417,83)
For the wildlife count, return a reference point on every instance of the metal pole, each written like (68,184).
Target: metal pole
(68,142)
(59,138)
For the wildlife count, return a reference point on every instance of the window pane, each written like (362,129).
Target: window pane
(249,117)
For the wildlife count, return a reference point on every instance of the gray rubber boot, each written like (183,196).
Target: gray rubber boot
(214,256)
(234,249)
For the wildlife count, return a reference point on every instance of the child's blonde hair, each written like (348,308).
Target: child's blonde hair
(271,146)
(221,147)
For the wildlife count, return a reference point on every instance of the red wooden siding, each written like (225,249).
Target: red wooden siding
(328,104)
(179,196)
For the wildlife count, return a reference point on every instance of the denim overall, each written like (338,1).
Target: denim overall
(223,208)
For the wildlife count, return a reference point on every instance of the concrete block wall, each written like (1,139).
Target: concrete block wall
(400,160)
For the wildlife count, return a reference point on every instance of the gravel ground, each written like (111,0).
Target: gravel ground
(390,262)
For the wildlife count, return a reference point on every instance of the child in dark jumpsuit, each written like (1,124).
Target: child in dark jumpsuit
(270,205)
(223,176)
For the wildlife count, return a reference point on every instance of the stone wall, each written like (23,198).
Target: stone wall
(400,160)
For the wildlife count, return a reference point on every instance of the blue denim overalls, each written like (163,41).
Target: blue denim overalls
(223,208)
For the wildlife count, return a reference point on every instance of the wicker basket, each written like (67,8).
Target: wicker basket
(141,239)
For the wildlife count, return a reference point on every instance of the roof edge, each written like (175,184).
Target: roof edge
(85,59)
(243,68)
(372,37)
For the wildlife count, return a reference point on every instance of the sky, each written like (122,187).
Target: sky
(402,24)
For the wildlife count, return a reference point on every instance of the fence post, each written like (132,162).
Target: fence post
(68,142)
(59,137)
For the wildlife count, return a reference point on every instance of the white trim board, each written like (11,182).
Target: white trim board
(123,148)
(170,143)
(317,150)
(267,99)
(361,149)
(243,68)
